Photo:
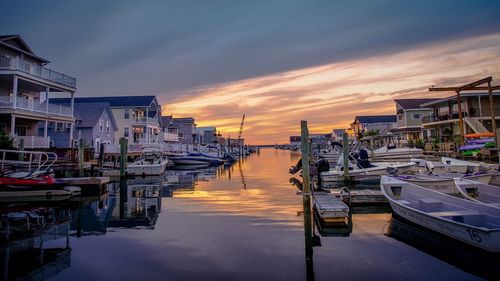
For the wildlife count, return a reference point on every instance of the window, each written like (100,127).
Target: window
(101,126)
(125,132)
(59,127)
(127,113)
(416,116)
(108,129)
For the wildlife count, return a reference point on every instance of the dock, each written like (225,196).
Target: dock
(85,181)
(330,209)
(361,196)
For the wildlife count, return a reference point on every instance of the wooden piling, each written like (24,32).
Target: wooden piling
(80,158)
(21,148)
(304,133)
(101,156)
(306,198)
(123,156)
(345,146)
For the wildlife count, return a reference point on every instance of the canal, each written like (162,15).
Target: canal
(244,222)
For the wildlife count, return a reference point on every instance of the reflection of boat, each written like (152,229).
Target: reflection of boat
(463,256)
(473,223)
(38,195)
(478,191)
(151,162)
(191,166)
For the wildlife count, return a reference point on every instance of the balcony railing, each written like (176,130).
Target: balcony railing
(145,120)
(33,141)
(454,115)
(34,106)
(19,64)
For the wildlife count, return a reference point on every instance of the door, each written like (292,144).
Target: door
(20,130)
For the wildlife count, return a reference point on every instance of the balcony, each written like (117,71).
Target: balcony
(33,141)
(38,71)
(144,121)
(170,137)
(7,102)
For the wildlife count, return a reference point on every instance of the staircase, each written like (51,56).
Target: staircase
(476,125)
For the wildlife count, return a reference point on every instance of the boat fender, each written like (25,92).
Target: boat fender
(430,167)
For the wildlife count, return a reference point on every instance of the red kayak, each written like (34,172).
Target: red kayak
(37,178)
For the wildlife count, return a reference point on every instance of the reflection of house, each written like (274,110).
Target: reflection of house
(443,120)
(410,115)
(206,135)
(137,117)
(93,219)
(380,123)
(186,128)
(25,88)
(94,124)
(139,206)
(338,135)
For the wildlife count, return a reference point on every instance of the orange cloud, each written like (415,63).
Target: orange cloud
(329,96)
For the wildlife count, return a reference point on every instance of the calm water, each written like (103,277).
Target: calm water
(240,223)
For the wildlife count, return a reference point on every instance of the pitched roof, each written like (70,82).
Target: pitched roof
(117,101)
(15,42)
(87,114)
(412,103)
(165,121)
(376,118)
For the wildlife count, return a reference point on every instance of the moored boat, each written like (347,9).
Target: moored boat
(478,191)
(444,182)
(474,223)
(151,162)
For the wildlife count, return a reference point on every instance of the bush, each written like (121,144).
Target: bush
(6,141)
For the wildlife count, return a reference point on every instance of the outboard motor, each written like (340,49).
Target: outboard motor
(430,167)
(363,161)
(392,171)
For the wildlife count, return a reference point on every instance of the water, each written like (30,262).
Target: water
(240,223)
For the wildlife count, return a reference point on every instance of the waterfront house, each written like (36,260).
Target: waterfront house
(94,123)
(442,124)
(26,88)
(186,127)
(409,118)
(137,117)
(380,123)
(338,134)
(206,135)
(169,129)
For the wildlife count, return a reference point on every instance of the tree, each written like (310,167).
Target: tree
(6,141)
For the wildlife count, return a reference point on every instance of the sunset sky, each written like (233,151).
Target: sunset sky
(276,61)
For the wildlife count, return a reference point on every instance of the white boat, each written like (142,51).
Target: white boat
(438,167)
(374,172)
(151,162)
(478,191)
(472,166)
(474,223)
(387,153)
(443,182)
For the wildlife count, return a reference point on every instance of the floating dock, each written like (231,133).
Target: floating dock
(85,181)
(361,196)
(330,209)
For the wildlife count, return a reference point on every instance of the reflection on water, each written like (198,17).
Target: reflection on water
(227,223)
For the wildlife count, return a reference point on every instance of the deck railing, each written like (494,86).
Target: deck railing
(33,141)
(34,106)
(18,63)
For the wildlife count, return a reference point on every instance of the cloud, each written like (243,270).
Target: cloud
(329,96)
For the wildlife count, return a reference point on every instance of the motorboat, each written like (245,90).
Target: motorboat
(474,223)
(151,162)
(196,158)
(444,182)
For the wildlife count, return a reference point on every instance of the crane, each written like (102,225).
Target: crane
(241,127)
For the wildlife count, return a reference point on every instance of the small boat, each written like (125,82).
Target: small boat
(474,223)
(24,178)
(371,173)
(471,166)
(388,153)
(438,167)
(196,158)
(151,162)
(444,182)
(478,191)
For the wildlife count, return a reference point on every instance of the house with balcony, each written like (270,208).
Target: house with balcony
(94,124)
(26,88)
(409,118)
(206,135)
(186,127)
(169,130)
(380,123)
(443,122)
(137,117)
